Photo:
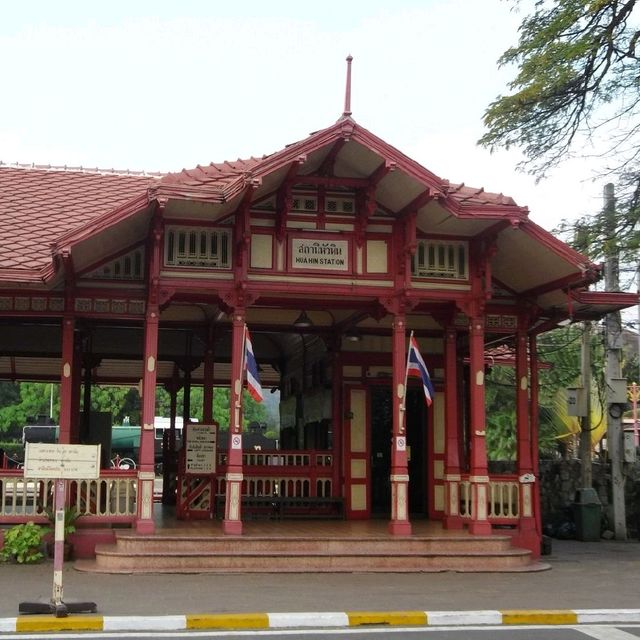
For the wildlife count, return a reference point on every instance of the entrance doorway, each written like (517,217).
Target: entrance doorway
(381,430)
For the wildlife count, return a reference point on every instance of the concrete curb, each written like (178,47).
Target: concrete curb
(324,619)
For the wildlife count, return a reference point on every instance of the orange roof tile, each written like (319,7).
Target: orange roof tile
(38,205)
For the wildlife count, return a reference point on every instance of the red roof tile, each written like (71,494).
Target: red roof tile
(38,205)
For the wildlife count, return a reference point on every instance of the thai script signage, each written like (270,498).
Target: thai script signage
(62,461)
(326,255)
(201,448)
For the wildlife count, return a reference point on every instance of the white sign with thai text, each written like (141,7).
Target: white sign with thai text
(62,461)
(201,448)
(329,255)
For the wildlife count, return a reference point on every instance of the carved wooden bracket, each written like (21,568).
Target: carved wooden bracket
(398,304)
(238,298)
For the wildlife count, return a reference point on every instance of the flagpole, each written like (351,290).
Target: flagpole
(406,374)
(242,362)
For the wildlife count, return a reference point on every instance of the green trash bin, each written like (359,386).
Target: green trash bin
(587,513)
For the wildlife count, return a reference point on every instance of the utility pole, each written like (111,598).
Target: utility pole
(613,327)
(585,421)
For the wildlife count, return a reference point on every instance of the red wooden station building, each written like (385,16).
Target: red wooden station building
(331,251)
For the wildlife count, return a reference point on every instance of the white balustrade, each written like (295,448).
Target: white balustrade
(111,495)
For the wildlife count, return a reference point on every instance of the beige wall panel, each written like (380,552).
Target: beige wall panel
(438,497)
(377,256)
(358,468)
(336,226)
(438,469)
(351,371)
(358,497)
(438,423)
(379,372)
(261,251)
(359,420)
(358,260)
(280,256)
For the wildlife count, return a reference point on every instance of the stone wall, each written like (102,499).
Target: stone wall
(559,480)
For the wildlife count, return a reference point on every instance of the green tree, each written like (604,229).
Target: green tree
(577,78)
(33,400)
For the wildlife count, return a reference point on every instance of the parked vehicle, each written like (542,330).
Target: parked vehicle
(125,439)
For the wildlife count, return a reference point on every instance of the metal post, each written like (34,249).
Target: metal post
(613,327)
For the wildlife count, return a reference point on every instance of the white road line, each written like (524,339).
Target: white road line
(605,633)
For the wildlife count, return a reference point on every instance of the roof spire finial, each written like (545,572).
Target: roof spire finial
(347,93)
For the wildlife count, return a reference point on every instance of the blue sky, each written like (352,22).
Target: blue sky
(166,85)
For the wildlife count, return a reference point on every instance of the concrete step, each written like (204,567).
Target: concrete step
(166,553)
(131,542)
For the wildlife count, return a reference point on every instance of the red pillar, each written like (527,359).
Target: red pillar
(207,388)
(337,413)
(452,519)
(232,523)
(527,535)
(146,473)
(399,523)
(478,469)
(66,379)
(534,421)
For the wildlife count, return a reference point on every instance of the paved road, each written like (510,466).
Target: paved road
(584,575)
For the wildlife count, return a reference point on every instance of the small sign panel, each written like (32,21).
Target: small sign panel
(62,461)
(201,448)
(325,255)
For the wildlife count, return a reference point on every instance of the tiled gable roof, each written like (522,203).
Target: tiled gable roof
(38,205)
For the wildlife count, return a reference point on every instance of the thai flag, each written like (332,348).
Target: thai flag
(251,367)
(418,369)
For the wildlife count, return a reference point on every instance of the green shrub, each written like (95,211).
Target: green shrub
(23,543)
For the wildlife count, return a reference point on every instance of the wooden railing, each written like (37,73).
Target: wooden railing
(503,499)
(296,474)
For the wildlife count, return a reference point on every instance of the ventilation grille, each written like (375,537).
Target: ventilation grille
(193,247)
(437,259)
(129,266)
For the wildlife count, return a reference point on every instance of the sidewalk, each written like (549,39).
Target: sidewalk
(584,575)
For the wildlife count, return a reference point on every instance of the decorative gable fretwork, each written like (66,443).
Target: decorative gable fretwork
(129,266)
(38,304)
(197,247)
(441,259)
(494,321)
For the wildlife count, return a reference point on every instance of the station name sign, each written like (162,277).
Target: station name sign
(326,255)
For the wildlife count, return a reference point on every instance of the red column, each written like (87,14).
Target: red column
(66,379)
(207,388)
(478,471)
(527,530)
(452,519)
(232,523)
(535,465)
(146,474)
(76,393)
(399,523)
(336,424)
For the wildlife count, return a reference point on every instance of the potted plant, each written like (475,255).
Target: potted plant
(23,543)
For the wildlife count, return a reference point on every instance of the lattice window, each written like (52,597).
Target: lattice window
(197,247)
(441,259)
(339,205)
(304,203)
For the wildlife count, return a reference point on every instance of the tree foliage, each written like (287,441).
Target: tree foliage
(22,403)
(577,76)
